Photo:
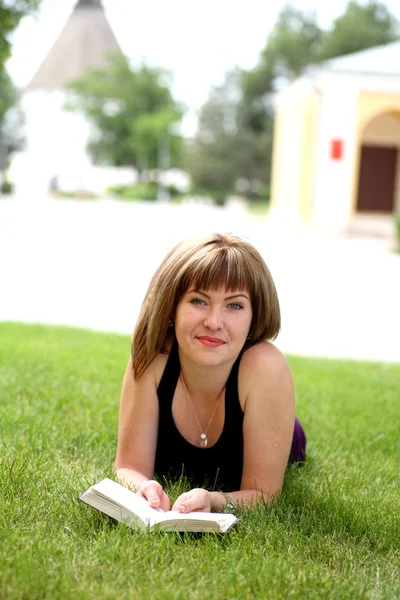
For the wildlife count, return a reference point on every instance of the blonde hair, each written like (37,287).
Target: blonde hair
(211,262)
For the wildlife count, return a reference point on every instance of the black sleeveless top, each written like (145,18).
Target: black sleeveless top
(218,467)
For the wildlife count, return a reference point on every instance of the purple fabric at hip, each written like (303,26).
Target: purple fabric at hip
(299,442)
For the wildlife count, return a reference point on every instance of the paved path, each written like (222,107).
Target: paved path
(88,264)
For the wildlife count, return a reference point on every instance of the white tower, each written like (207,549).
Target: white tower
(56,139)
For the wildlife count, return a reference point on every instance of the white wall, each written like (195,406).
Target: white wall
(333,184)
(55,143)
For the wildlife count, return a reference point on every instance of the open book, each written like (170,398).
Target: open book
(127,507)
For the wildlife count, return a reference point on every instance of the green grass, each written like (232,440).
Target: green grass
(334,533)
(258,208)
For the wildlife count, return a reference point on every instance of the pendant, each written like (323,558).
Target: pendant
(204,441)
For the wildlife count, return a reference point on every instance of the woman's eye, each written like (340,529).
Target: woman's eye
(235,305)
(197,301)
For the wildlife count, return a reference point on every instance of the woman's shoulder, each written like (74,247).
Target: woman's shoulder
(261,365)
(263,355)
(155,370)
(157,366)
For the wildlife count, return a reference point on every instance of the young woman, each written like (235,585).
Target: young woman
(205,394)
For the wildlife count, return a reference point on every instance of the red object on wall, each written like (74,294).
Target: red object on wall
(336,149)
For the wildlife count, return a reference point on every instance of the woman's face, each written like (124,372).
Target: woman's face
(212,325)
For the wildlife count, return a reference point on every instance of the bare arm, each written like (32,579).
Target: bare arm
(268,425)
(137,436)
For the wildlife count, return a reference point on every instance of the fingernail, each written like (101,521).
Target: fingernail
(182,508)
(153,501)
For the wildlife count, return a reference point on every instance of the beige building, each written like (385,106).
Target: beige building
(336,158)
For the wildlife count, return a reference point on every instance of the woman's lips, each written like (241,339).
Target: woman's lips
(210,342)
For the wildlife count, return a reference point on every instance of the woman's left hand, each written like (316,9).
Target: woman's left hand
(197,499)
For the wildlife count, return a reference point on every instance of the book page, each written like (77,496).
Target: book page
(199,521)
(127,499)
(200,516)
(119,502)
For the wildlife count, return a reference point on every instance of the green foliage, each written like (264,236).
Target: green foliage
(259,207)
(294,43)
(210,165)
(147,190)
(137,191)
(361,26)
(11,12)
(297,41)
(133,112)
(10,118)
(209,158)
(236,124)
(334,532)
(8,94)
(6,187)
(224,151)
(84,195)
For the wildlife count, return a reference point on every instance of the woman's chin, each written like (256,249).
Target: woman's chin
(208,355)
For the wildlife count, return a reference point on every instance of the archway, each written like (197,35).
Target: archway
(379,172)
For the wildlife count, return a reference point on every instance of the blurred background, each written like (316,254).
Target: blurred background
(126,126)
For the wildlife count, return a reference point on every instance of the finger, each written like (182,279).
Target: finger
(182,503)
(197,499)
(165,502)
(178,502)
(151,494)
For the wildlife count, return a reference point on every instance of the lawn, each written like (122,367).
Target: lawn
(334,532)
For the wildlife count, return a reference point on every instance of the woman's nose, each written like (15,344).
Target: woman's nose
(214,319)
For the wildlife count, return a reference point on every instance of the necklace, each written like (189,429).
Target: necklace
(203,434)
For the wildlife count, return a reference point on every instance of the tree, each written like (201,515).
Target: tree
(360,27)
(209,160)
(132,111)
(244,150)
(223,152)
(8,96)
(10,116)
(11,12)
(234,140)
(294,43)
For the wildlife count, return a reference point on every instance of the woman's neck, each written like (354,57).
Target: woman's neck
(203,381)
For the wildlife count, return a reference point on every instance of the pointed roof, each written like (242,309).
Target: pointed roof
(84,42)
(380,60)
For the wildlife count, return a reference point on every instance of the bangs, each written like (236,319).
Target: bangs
(221,268)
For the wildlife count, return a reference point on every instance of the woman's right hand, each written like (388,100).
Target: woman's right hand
(153,492)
